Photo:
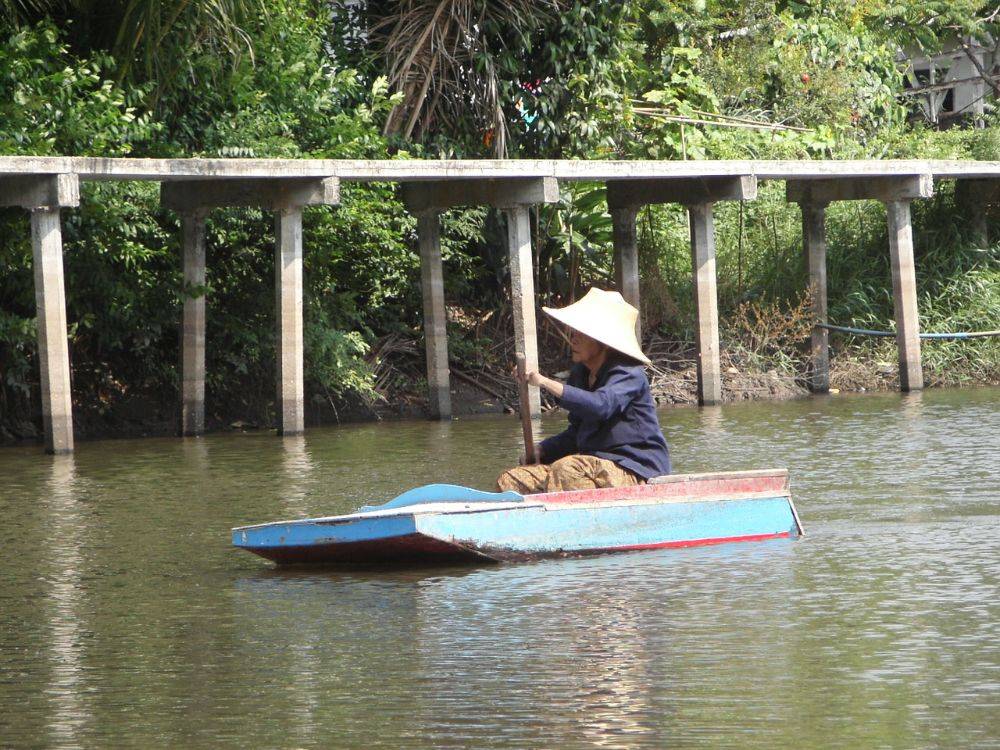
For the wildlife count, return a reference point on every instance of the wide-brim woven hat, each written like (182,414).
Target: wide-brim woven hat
(605,317)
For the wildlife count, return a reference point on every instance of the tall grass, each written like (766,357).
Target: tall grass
(760,261)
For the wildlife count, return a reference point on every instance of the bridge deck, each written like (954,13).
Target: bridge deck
(45,185)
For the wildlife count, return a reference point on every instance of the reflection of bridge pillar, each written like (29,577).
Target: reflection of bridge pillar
(67,608)
(711,420)
(298,469)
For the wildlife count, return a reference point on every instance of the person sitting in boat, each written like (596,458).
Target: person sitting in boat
(614,437)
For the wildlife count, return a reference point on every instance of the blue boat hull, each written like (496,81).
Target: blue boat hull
(553,532)
(506,528)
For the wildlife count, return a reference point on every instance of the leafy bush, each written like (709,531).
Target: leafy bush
(638,79)
(122,250)
(54,103)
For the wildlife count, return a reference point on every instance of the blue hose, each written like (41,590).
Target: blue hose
(866,332)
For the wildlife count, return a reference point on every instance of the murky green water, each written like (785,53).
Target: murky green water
(127,621)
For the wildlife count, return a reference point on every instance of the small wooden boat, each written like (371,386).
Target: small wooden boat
(441,522)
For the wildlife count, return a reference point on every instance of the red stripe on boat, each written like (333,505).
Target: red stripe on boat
(696,542)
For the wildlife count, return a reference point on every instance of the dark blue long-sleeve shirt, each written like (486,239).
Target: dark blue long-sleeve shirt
(615,419)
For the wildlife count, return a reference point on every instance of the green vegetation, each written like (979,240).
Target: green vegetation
(532,78)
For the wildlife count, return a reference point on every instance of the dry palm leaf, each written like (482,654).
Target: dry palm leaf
(441,55)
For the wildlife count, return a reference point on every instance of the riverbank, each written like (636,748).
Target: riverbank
(770,368)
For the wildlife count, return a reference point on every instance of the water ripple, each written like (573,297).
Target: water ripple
(126,619)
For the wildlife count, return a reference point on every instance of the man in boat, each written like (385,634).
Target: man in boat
(614,437)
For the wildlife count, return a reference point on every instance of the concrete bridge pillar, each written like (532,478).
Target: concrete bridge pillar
(435,315)
(44,196)
(627,259)
(706,301)
(515,196)
(193,324)
(975,198)
(904,295)
(290,401)
(814,244)
(285,196)
(896,193)
(698,194)
(53,346)
(522,295)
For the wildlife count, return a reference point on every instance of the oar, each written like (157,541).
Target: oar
(529,436)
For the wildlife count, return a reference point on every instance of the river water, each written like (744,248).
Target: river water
(127,620)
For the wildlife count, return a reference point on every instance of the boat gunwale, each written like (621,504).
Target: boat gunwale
(716,475)
(644,501)
(673,483)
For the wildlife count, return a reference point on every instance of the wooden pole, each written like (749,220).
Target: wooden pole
(53,344)
(814,241)
(525,400)
(288,293)
(522,295)
(627,259)
(435,318)
(904,294)
(193,325)
(706,303)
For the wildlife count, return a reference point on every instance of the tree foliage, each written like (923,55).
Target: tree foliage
(664,79)
(151,42)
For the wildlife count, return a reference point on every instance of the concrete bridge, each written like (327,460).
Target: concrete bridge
(193,187)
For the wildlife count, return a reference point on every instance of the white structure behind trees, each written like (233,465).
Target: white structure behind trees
(961,81)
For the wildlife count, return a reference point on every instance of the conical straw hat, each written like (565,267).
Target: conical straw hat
(605,317)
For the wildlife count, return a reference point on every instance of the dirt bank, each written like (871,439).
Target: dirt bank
(481,384)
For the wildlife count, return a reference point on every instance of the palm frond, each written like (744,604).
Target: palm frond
(155,37)
(151,40)
(17,12)
(441,55)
